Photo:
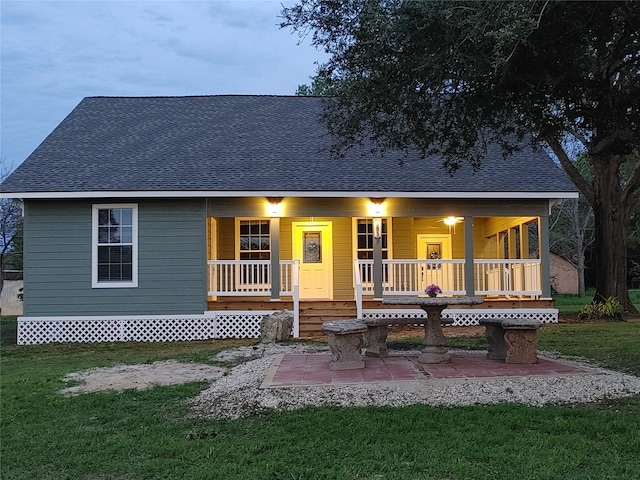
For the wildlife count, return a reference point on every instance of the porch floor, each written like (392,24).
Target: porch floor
(291,370)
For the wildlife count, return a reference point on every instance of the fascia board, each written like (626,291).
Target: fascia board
(291,194)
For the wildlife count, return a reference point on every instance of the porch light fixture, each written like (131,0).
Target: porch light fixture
(377,227)
(451,222)
(275,206)
(375,207)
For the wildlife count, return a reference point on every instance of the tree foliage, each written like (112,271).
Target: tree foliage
(10,232)
(320,86)
(449,77)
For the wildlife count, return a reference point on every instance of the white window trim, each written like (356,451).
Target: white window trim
(354,239)
(354,242)
(241,281)
(94,246)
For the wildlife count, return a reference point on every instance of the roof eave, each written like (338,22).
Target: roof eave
(292,194)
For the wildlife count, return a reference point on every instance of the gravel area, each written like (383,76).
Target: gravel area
(238,393)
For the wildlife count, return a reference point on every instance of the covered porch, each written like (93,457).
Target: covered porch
(266,255)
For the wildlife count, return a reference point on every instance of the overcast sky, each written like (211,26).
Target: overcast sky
(54,53)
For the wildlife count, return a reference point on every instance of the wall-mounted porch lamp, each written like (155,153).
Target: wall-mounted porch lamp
(377,227)
(274,206)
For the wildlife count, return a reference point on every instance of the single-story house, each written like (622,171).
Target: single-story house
(178,218)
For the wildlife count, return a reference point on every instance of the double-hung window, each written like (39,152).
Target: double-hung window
(254,244)
(115,246)
(365,235)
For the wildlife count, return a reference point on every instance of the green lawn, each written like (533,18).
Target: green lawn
(572,304)
(149,434)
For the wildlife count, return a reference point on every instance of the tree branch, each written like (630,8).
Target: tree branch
(572,171)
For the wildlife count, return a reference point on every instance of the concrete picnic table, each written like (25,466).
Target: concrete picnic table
(434,350)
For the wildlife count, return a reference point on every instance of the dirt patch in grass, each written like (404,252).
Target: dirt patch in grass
(139,377)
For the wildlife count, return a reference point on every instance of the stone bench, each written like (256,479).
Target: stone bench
(378,328)
(514,340)
(345,339)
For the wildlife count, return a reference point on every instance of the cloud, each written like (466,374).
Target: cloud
(57,52)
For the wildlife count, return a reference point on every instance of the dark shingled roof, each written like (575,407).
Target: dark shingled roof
(243,144)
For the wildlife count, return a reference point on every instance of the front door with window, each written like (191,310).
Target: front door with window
(433,248)
(312,246)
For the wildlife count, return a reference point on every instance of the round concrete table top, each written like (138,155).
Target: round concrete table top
(432,301)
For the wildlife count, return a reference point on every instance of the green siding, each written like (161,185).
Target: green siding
(171,260)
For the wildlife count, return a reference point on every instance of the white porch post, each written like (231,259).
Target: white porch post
(468,256)
(274,230)
(524,241)
(545,267)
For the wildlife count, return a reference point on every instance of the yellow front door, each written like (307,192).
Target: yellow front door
(435,247)
(312,246)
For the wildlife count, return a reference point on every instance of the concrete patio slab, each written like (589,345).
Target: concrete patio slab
(303,370)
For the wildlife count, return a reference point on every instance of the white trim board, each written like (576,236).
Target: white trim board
(284,193)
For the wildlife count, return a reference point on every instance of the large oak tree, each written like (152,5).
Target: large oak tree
(448,77)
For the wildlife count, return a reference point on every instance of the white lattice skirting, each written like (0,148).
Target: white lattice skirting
(214,325)
(467,317)
(165,328)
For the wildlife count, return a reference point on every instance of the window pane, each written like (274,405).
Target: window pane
(116,216)
(103,272)
(103,254)
(114,272)
(103,216)
(127,216)
(115,255)
(127,271)
(126,234)
(312,244)
(369,241)
(127,254)
(114,234)
(103,235)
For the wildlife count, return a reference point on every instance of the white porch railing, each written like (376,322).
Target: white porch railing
(357,286)
(411,277)
(510,277)
(253,277)
(250,277)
